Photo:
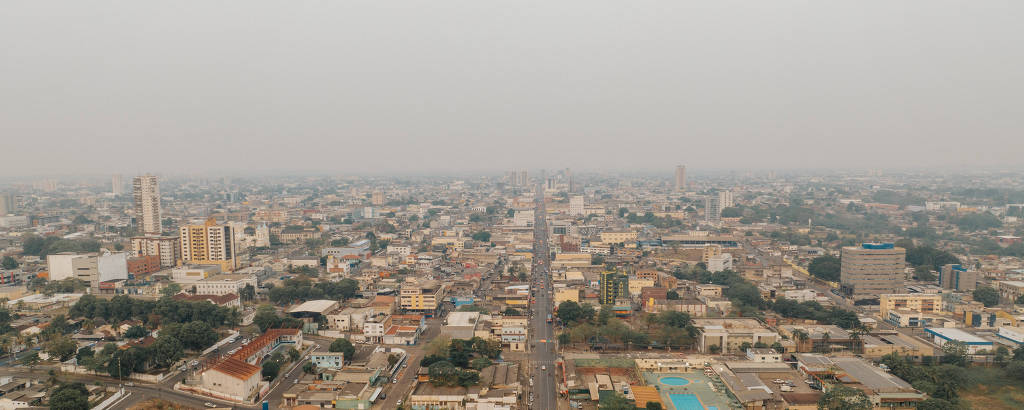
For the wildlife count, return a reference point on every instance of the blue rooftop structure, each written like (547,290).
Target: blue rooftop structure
(877,246)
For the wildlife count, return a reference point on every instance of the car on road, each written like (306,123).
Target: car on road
(399,403)
(544,368)
(208,404)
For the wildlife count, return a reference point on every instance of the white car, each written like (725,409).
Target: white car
(208,404)
(399,403)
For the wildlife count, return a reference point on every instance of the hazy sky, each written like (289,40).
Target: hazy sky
(405,86)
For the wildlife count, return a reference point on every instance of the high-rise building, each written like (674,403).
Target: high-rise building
(576,206)
(377,198)
(6,203)
(872,269)
(956,277)
(725,199)
(520,178)
(146,191)
(712,209)
(167,248)
(680,177)
(613,286)
(116,185)
(208,244)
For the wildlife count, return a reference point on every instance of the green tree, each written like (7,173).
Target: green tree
(840,397)
(73,396)
(9,262)
(266,318)
(30,360)
(653,405)
(171,289)
(270,369)
(247,293)
(293,354)
(671,295)
(62,348)
(136,332)
(569,311)
(309,367)
(482,236)
(825,268)
(344,346)
(480,363)
(986,295)
(165,351)
(933,403)
(615,401)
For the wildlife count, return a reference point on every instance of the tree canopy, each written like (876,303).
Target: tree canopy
(825,268)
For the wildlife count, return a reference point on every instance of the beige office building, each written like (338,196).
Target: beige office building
(208,244)
(871,270)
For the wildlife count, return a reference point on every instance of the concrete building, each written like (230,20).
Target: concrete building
(167,248)
(618,237)
(613,286)
(328,360)
(208,244)
(193,273)
(7,204)
(520,178)
(1010,290)
(231,379)
(725,199)
(576,205)
(523,218)
(958,278)
(928,303)
(712,209)
(730,334)
(225,284)
(424,296)
(117,185)
(941,336)
(146,191)
(92,268)
(872,269)
(680,180)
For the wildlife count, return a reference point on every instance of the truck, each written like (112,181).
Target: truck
(549,318)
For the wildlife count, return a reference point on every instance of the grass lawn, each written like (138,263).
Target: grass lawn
(989,388)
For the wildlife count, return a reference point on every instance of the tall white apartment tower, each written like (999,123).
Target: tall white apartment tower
(576,205)
(725,199)
(680,177)
(117,185)
(146,191)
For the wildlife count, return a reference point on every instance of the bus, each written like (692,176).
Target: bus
(549,318)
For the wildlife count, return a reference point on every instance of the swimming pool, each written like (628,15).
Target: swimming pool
(686,402)
(674,381)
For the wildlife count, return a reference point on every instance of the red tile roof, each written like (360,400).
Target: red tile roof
(236,368)
(260,342)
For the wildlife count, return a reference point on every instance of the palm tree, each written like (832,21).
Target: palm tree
(801,336)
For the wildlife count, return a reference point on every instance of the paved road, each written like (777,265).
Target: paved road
(542,338)
(401,390)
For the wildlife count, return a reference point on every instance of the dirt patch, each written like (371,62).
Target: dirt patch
(985,397)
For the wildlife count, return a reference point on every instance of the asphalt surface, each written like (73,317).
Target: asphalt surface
(542,336)
(402,389)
